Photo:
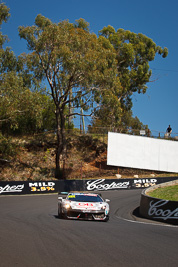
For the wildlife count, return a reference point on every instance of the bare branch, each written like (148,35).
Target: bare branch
(11,117)
(79,114)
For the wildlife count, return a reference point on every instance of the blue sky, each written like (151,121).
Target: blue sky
(155,18)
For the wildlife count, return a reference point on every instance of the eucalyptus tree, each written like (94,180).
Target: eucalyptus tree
(19,105)
(7,57)
(7,64)
(134,52)
(79,68)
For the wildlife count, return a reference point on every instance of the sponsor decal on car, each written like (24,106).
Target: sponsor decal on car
(85,204)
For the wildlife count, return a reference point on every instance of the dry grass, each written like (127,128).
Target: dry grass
(86,158)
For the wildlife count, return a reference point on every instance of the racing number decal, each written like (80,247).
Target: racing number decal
(85,204)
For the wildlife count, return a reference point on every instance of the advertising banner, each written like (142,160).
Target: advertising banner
(48,187)
(117,184)
(18,188)
(159,209)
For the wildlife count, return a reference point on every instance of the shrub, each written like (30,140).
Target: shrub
(7,147)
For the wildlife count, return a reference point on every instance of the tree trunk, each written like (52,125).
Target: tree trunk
(61,144)
(70,110)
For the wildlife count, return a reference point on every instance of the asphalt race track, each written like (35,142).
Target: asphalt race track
(32,235)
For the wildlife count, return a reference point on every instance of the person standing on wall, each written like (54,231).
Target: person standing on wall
(169,130)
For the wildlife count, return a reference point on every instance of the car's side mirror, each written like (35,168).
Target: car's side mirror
(107,200)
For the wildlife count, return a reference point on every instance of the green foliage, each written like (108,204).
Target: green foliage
(4,15)
(47,154)
(22,110)
(82,24)
(78,66)
(7,148)
(7,57)
(8,61)
(70,58)
(106,120)
(133,54)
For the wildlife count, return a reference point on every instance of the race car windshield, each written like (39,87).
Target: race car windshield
(85,198)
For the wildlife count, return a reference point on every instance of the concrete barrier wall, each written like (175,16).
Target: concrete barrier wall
(159,209)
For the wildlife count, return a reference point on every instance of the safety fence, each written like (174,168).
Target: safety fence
(126,130)
(102,132)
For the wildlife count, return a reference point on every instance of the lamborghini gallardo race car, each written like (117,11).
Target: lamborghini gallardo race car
(84,206)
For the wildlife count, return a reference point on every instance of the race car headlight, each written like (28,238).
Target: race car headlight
(67,205)
(103,207)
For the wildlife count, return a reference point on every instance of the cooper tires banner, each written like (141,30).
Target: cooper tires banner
(46,187)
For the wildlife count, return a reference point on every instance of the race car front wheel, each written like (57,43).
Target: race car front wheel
(106,219)
(60,216)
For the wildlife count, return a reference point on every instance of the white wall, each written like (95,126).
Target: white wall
(142,152)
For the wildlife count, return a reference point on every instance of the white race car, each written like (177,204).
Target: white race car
(86,206)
